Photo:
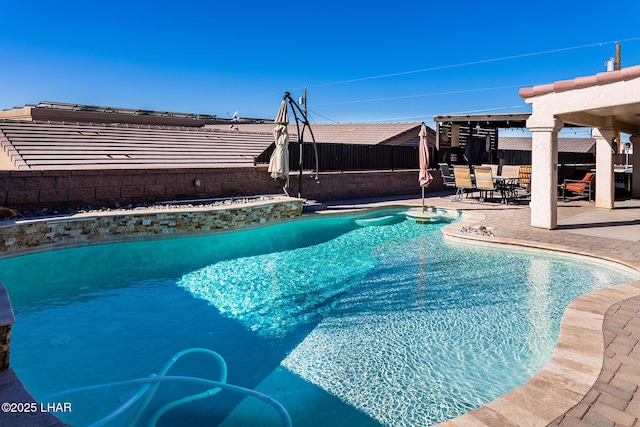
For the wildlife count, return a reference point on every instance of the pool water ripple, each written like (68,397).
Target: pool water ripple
(422,345)
(274,293)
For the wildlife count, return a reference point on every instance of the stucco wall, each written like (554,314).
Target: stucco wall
(25,190)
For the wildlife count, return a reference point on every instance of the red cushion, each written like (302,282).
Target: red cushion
(576,187)
(589,176)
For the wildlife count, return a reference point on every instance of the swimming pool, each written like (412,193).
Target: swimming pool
(344,324)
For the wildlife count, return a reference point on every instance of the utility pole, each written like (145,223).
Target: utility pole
(304,97)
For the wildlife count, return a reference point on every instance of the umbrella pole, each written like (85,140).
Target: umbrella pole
(300,173)
(294,107)
(422,188)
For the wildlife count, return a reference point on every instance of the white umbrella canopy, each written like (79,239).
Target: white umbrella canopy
(279,162)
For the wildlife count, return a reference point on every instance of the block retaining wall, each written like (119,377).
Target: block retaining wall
(27,190)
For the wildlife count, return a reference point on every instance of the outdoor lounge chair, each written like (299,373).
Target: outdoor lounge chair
(484,181)
(464,184)
(447,177)
(580,188)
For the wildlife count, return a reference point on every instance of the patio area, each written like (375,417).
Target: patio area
(593,377)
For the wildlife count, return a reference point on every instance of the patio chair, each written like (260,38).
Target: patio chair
(463,182)
(580,188)
(484,181)
(447,177)
(510,171)
(523,188)
(525,177)
(494,168)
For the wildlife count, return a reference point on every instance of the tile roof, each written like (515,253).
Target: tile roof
(599,79)
(346,133)
(63,145)
(56,111)
(565,145)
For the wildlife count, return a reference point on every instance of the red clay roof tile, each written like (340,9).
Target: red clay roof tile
(582,82)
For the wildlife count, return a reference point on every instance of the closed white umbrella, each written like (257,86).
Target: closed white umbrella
(279,162)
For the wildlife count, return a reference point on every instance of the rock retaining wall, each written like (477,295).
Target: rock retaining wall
(23,236)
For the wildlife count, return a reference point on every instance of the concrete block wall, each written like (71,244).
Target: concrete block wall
(31,189)
(26,190)
(356,185)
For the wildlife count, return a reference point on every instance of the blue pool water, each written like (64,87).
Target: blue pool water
(343,324)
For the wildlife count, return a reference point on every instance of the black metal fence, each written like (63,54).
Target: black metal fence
(621,159)
(349,157)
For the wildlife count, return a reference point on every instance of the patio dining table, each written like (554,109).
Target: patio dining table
(507,186)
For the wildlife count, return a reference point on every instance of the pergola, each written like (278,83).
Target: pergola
(607,102)
(453,131)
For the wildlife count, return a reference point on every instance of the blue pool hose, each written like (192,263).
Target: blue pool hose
(151,384)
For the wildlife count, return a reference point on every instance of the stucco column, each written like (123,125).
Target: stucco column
(544,170)
(635,162)
(604,167)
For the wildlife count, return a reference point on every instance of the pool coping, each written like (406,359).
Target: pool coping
(579,355)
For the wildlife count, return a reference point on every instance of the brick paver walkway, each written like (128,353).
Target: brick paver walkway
(614,399)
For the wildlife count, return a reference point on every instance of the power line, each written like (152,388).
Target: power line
(483,61)
(429,94)
(447,114)
(326,118)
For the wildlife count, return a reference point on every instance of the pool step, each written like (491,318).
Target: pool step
(313,206)
(423,217)
(380,220)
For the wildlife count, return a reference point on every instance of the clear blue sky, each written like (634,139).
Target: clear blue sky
(361,61)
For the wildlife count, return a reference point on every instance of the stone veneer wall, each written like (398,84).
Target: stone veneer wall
(24,190)
(23,236)
(6,320)
(5,338)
